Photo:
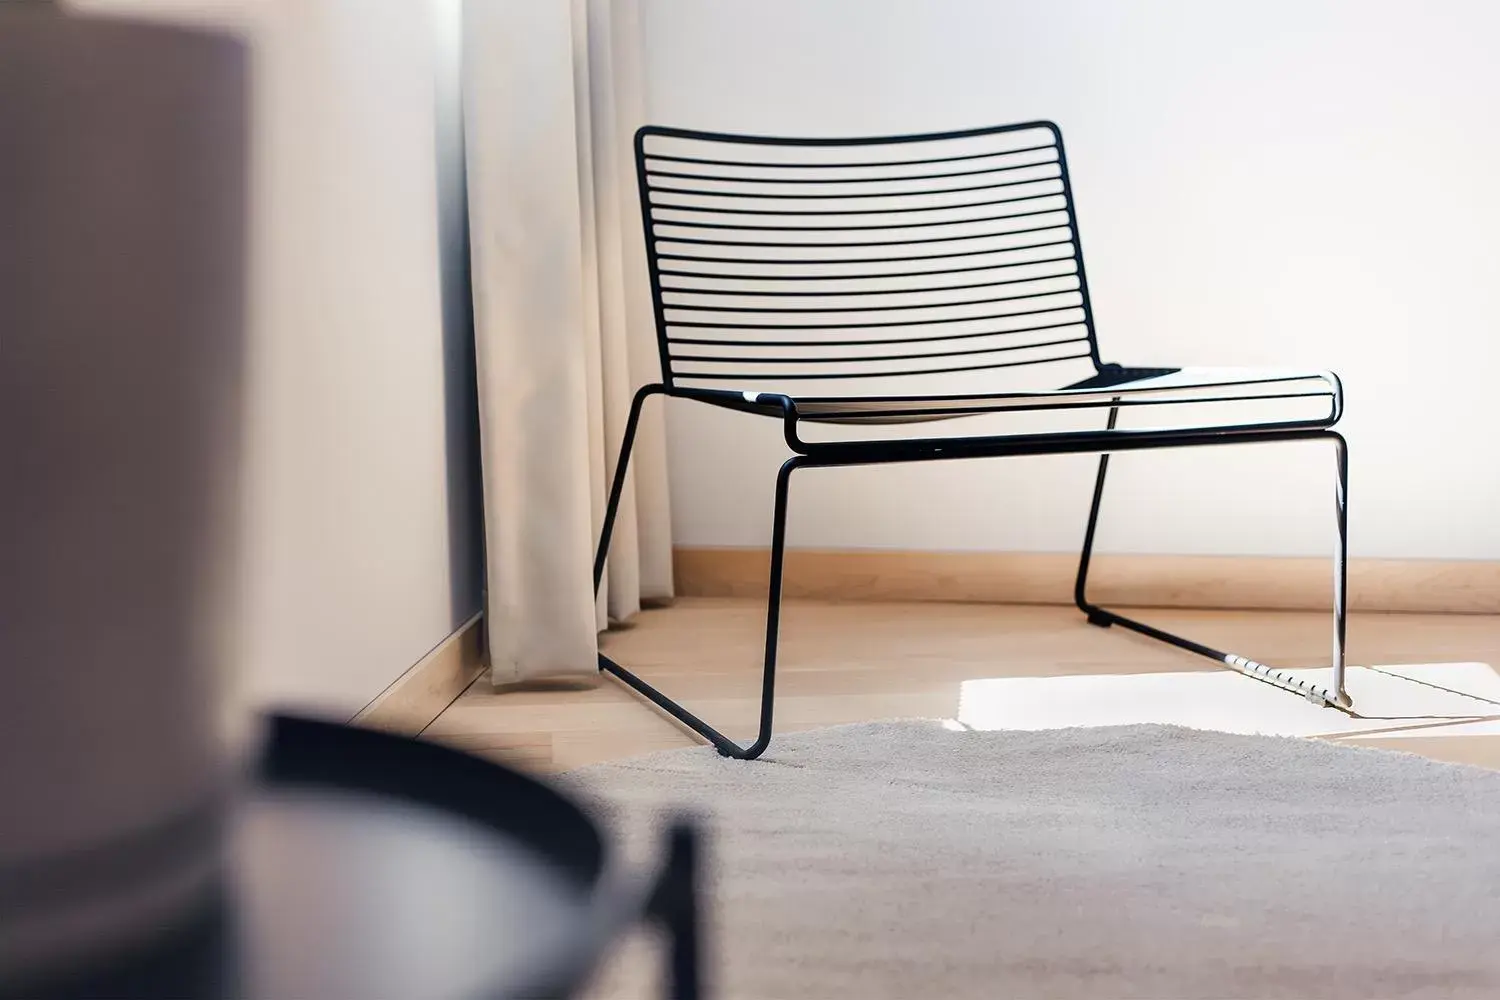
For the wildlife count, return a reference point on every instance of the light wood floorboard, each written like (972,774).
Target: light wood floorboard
(853,662)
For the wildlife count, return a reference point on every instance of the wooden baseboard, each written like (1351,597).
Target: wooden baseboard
(419,696)
(1249,582)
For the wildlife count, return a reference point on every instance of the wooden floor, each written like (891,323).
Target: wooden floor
(859,662)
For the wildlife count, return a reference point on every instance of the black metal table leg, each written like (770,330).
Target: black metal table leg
(674,905)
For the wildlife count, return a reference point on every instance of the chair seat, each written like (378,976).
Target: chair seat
(1114,385)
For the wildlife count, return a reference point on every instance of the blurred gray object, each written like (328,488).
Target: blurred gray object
(139,858)
(365,864)
(122,216)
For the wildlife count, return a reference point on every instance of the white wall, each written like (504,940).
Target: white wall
(362,546)
(1305,182)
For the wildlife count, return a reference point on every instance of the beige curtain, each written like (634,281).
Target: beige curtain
(563,326)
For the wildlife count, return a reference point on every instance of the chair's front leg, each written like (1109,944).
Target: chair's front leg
(773,608)
(617,488)
(722,743)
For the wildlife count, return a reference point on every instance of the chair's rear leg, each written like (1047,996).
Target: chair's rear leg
(617,488)
(1096,616)
(1335,695)
(1340,564)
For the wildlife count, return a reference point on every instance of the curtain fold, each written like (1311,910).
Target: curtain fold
(563,327)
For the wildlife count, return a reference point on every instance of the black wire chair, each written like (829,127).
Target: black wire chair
(915,278)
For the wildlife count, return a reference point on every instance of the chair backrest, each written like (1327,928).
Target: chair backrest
(848,267)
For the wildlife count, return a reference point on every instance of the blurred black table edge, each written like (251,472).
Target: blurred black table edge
(313,783)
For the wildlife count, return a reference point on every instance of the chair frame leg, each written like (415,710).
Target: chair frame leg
(1336,695)
(726,746)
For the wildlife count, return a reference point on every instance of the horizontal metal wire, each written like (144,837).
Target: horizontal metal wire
(904,307)
(800,196)
(850,180)
(871,164)
(804,196)
(702,241)
(734,185)
(695,224)
(729,276)
(743,376)
(904,259)
(865,358)
(717,210)
(880,291)
(861,342)
(698,324)
(750,227)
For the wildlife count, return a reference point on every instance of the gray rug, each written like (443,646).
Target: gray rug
(905,860)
